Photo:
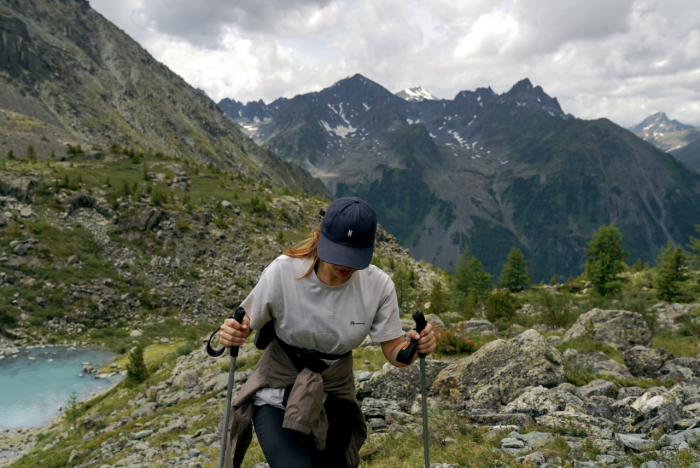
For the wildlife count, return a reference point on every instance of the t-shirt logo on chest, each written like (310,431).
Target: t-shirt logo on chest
(356,323)
(350,233)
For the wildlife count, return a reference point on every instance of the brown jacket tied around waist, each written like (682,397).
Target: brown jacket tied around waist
(305,411)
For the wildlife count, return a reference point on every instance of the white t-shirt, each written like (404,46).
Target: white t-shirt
(311,315)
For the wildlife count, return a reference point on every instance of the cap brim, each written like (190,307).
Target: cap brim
(350,257)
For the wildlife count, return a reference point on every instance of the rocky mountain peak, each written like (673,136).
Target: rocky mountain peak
(658,123)
(523,93)
(417,93)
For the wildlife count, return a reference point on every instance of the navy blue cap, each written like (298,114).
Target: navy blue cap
(347,233)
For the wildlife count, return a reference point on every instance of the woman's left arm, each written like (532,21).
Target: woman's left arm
(426,344)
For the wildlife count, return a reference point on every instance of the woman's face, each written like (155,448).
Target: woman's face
(341,271)
(337,274)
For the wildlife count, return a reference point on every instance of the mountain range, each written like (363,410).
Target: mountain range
(66,68)
(678,139)
(485,169)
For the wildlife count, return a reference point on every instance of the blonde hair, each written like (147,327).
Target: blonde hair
(307,250)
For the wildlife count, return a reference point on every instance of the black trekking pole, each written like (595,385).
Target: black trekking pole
(238,317)
(405,356)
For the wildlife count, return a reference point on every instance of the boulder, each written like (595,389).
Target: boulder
(598,428)
(435,320)
(146,410)
(374,408)
(634,442)
(486,418)
(401,384)
(661,410)
(476,326)
(186,380)
(599,364)
(646,362)
(617,328)
(599,388)
(22,188)
(535,401)
(93,419)
(498,372)
(691,363)
(142,220)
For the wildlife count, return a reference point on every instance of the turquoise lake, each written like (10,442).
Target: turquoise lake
(31,390)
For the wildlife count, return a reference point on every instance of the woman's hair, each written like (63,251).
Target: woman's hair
(307,250)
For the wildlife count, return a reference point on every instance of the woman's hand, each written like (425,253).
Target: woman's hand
(426,339)
(232,333)
(426,344)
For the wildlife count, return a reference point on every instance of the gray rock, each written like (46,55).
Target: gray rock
(600,364)
(599,388)
(535,401)
(691,363)
(617,328)
(436,321)
(535,458)
(401,384)
(533,439)
(146,410)
(598,428)
(635,442)
(499,371)
(141,434)
(22,188)
(654,464)
(511,442)
(499,419)
(476,326)
(41,302)
(377,408)
(186,380)
(646,362)
(630,392)
(93,419)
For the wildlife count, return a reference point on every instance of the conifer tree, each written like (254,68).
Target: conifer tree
(31,154)
(605,260)
(671,272)
(470,276)
(553,281)
(694,250)
(438,301)
(136,370)
(514,273)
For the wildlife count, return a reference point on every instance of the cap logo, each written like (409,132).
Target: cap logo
(350,233)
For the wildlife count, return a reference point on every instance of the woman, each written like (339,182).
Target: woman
(323,297)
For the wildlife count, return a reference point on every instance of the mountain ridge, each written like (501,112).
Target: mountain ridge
(64,64)
(480,168)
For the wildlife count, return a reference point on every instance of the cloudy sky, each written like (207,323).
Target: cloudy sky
(621,59)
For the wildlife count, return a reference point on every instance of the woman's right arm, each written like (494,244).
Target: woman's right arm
(233,333)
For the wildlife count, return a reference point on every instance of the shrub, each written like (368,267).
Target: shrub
(501,305)
(185,349)
(258,205)
(452,341)
(74,150)
(556,309)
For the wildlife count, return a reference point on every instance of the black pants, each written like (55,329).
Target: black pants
(287,448)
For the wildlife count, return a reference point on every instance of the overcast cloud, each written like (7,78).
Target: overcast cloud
(621,59)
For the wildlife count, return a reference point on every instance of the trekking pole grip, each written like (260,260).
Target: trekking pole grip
(419,318)
(238,317)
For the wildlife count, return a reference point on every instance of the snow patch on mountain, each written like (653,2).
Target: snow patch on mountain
(416,94)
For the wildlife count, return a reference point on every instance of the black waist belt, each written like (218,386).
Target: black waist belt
(308,358)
